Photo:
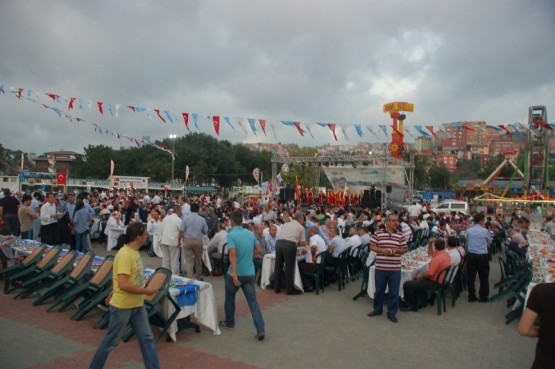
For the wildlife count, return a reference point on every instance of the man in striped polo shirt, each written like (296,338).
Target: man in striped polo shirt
(389,244)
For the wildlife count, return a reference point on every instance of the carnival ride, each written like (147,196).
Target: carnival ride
(534,162)
(397,147)
(536,178)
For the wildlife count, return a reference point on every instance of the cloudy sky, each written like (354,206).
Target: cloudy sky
(309,61)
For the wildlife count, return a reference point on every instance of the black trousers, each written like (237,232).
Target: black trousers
(11,223)
(286,253)
(49,234)
(308,268)
(478,264)
(412,288)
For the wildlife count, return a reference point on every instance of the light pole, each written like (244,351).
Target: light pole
(173,137)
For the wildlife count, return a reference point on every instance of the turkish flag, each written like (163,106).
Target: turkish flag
(216,120)
(61,178)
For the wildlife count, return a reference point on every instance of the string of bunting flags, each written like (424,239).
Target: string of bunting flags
(256,125)
(97,128)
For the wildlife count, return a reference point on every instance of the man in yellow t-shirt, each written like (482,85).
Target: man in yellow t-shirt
(127,262)
(127,301)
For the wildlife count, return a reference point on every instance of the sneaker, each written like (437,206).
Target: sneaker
(224,324)
(259,336)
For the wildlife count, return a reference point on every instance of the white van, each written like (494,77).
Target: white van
(446,207)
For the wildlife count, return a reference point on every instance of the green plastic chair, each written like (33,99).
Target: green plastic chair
(519,296)
(45,263)
(77,275)
(48,277)
(318,274)
(91,302)
(34,257)
(364,274)
(339,269)
(521,282)
(160,280)
(353,261)
(97,283)
(439,288)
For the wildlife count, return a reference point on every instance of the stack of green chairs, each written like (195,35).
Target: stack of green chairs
(77,275)
(48,277)
(13,279)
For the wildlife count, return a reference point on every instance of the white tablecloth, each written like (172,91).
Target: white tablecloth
(205,310)
(406,275)
(268,266)
(113,234)
(206,257)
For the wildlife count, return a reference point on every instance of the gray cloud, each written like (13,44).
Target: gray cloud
(312,61)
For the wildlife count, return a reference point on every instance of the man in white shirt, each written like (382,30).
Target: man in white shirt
(354,239)
(154,227)
(549,226)
(337,244)
(49,221)
(268,214)
(406,230)
(414,210)
(169,240)
(271,238)
(215,248)
(156,199)
(315,246)
(341,222)
(364,235)
(185,206)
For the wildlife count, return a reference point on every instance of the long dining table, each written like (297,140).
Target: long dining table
(268,267)
(412,263)
(541,254)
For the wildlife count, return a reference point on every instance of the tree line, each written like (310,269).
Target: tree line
(210,161)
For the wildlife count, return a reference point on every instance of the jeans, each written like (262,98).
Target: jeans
(27,235)
(249,290)
(119,318)
(36,229)
(81,241)
(392,280)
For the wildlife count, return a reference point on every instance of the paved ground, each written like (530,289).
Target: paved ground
(326,331)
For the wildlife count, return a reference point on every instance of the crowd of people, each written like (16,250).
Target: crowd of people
(178,228)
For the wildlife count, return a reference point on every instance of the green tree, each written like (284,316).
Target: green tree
(306,174)
(211,162)
(10,161)
(421,166)
(96,162)
(439,177)
(466,169)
